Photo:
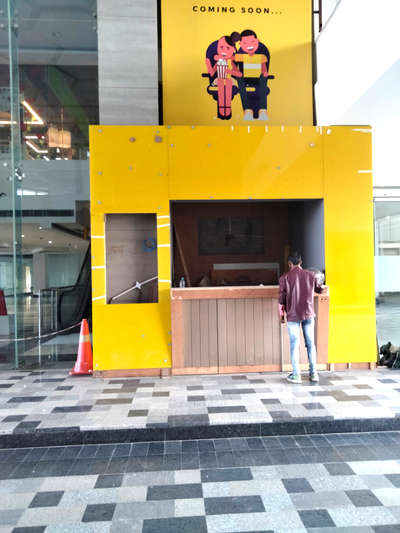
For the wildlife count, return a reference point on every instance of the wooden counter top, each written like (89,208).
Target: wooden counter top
(207,293)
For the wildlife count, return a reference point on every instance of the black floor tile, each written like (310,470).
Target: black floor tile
(138,412)
(174,492)
(293,485)
(255,443)
(226,474)
(339,469)
(190,461)
(225,459)
(242,459)
(73,409)
(20,454)
(270,401)
(14,418)
(233,505)
(173,447)
(187,524)
(363,498)
(237,391)
(153,463)
(82,467)
(23,470)
(272,443)
(36,454)
(227,409)
(194,387)
(239,444)
(206,445)
(156,448)
(53,454)
(99,512)
(62,468)
(105,451)
(117,465)
(173,461)
(222,445)
(196,398)
(260,458)
(47,499)
(208,460)
(109,481)
(122,450)
(139,449)
(316,518)
(190,446)
(312,406)
(88,451)
(71,452)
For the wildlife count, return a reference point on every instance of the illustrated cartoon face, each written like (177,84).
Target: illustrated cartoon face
(224,49)
(249,44)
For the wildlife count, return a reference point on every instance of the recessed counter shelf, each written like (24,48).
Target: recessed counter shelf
(237,329)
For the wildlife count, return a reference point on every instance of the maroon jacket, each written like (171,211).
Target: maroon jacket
(296,293)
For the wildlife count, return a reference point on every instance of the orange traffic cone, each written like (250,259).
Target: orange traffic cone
(84,361)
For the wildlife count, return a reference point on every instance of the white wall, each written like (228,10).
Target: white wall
(358,72)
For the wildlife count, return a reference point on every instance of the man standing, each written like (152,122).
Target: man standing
(296,298)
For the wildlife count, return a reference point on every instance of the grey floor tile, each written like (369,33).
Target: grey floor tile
(173,492)
(230,505)
(47,499)
(188,524)
(99,512)
(316,518)
(363,498)
(339,469)
(297,485)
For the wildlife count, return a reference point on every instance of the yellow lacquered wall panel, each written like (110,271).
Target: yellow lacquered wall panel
(128,175)
(349,245)
(246,161)
(140,169)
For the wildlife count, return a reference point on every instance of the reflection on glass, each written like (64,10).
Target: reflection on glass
(48,98)
(387,269)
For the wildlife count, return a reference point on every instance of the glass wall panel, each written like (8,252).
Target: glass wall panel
(48,98)
(387,270)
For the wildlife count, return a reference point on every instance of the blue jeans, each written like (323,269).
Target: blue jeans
(294,335)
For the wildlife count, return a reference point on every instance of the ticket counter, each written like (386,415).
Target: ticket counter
(237,329)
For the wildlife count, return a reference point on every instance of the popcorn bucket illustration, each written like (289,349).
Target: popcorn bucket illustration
(222,65)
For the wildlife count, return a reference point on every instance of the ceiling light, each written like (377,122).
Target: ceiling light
(33,113)
(31,145)
(22,236)
(31,137)
(50,242)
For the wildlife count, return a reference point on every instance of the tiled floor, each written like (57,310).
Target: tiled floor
(342,483)
(53,399)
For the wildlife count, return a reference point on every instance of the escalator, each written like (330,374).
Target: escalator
(63,307)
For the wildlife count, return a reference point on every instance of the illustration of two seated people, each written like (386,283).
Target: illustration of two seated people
(239,63)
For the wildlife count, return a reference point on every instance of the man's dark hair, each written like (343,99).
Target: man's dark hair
(247,33)
(294,258)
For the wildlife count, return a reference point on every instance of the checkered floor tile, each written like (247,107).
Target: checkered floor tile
(343,483)
(44,399)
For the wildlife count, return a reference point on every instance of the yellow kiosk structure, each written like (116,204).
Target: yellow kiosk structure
(216,210)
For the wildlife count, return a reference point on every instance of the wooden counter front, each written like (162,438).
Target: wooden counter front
(237,329)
